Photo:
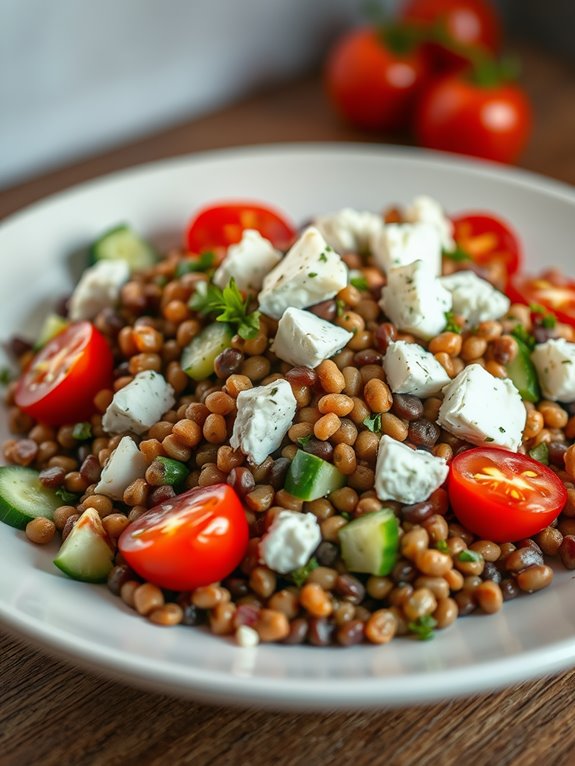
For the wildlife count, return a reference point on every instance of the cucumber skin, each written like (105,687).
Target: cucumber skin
(327,478)
(89,523)
(202,368)
(523,375)
(19,519)
(95,253)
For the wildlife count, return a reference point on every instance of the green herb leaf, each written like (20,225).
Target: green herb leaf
(191,265)
(82,431)
(339,307)
(458,255)
(540,453)
(450,324)
(323,258)
(67,498)
(300,575)
(442,546)
(549,321)
(373,422)
(303,441)
(5,376)
(520,333)
(423,627)
(360,283)
(468,555)
(228,305)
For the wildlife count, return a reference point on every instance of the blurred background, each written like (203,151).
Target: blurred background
(78,78)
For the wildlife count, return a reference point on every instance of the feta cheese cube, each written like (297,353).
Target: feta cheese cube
(264,416)
(350,231)
(304,339)
(474,298)
(410,369)
(290,541)
(425,209)
(125,465)
(309,273)
(99,288)
(415,300)
(554,361)
(401,243)
(407,475)
(248,262)
(483,409)
(247,637)
(139,405)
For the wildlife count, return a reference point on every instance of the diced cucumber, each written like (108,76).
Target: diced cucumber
(87,553)
(23,497)
(174,471)
(53,325)
(522,372)
(309,477)
(369,544)
(199,355)
(123,244)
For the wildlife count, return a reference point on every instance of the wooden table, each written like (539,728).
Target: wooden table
(51,713)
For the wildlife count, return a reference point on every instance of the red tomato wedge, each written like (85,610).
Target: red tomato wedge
(195,539)
(223,225)
(503,496)
(551,289)
(61,381)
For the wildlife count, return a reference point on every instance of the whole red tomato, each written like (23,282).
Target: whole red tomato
(372,77)
(458,114)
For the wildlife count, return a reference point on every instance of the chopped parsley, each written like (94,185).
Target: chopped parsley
(300,575)
(423,627)
(501,429)
(520,333)
(468,555)
(442,546)
(540,453)
(204,262)
(489,439)
(339,307)
(359,282)
(67,498)
(549,321)
(373,422)
(323,258)
(545,319)
(303,441)
(458,255)
(451,324)
(312,274)
(82,431)
(5,376)
(229,306)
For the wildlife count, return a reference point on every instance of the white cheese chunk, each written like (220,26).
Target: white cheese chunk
(264,416)
(125,465)
(309,273)
(99,288)
(474,298)
(350,230)
(554,361)
(425,209)
(483,409)
(401,243)
(410,369)
(248,262)
(304,339)
(415,300)
(290,541)
(247,637)
(406,475)
(139,405)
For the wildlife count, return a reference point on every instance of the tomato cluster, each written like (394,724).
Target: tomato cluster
(434,69)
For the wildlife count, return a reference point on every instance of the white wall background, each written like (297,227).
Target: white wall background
(79,75)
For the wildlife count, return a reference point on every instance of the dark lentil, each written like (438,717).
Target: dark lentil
(407,407)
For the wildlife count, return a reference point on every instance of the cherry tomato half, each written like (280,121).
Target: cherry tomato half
(372,82)
(489,241)
(503,496)
(551,289)
(195,539)
(60,383)
(223,225)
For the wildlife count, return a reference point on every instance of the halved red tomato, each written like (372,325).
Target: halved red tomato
(223,225)
(551,289)
(60,383)
(488,241)
(195,539)
(503,496)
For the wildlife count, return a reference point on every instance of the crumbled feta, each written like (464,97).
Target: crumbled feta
(290,541)
(350,231)
(554,361)
(427,210)
(410,369)
(309,273)
(303,338)
(99,288)
(125,465)
(415,300)
(246,636)
(474,298)
(139,405)
(248,262)
(407,475)
(483,409)
(401,243)
(264,416)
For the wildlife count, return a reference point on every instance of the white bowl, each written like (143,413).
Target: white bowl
(86,624)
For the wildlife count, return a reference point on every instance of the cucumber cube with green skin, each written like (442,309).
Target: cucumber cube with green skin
(523,374)
(23,497)
(123,244)
(309,477)
(370,543)
(174,471)
(52,326)
(87,554)
(199,355)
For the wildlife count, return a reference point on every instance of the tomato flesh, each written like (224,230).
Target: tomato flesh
(489,241)
(62,380)
(223,225)
(503,496)
(551,289)
(195,539)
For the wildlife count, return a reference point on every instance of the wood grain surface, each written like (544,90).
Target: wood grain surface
(52,714)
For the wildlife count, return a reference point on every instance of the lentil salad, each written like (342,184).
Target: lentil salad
(344,407)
